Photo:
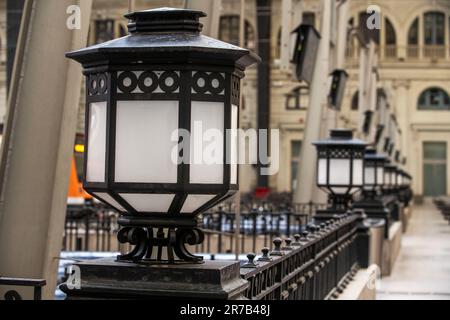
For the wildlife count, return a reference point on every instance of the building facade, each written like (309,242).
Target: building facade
(414,68)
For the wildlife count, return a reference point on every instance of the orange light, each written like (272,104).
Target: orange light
(79,148)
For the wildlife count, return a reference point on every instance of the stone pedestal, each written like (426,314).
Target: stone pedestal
(109,279)
(391,248)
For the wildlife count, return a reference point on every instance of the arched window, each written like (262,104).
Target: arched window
(229,31)
(355,101)
(434,99)
(434,28)
(390,39)
(296,99)
(413,33)
(413,39)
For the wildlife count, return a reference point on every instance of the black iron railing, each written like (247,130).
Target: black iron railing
(94,227)
(13,294)
(316,266)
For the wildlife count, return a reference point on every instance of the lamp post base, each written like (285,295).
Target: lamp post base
(110,279)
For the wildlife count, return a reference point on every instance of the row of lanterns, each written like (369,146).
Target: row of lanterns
(165,77)
(345,165)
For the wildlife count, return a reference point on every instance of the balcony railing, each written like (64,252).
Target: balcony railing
(409,53)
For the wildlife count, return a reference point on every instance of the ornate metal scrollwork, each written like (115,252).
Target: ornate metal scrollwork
(12,295)
(173,239)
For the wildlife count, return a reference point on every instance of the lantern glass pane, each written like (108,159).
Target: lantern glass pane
(358,172)
(369,175)
(380,175)
(234,145)
(207,142)
(144,144)
(392,179)
(387,178)
(148,202)
(195,201)
(340,172)
(95,171)
(322,172)
(341,190)
(105,197)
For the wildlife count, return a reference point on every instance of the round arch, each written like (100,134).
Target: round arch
(433,98)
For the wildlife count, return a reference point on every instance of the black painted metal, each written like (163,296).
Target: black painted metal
(263,12)
(313,267)
(14,10)
(13,294)
(164,44)
(339,79)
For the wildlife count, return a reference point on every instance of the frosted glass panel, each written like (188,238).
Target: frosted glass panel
(207,138)
(322,172)
(95,171)
(386,178)
(358,172)
(143,141)
(148,202)
(339,190)
(369,175)
(392,178)
(195,201)
(339,171)
(234,145)
(380,176)
(105,197)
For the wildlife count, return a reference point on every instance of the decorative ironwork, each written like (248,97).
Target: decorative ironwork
(37,285)
(208,83)
(317,266)
(97,84)
(148,81)
(173,239)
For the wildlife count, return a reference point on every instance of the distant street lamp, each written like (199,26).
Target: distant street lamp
(142,92)
(390,177)
(373,172)
(340,168)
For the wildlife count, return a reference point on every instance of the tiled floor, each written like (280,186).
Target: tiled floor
(422,269)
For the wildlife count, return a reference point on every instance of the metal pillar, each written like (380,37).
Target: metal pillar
(306,187)
(38,141)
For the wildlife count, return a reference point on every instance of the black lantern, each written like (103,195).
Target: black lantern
(143,91)
(373,170)
(390,177)
(340,166)
(305,51)
(338,81)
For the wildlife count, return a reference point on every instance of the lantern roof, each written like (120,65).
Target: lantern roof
(165,35)
(372,155)
(341,137)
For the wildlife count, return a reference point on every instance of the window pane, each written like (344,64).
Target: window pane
(153,203)
(434,28)
(96,142)
(434,99)
(390,33)
(206,158)
(413,34)
(435,151)
(144,143)
(296,146)
(195,201)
